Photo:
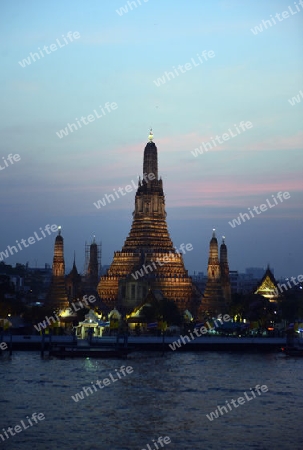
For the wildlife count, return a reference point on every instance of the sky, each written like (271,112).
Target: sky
(115,57)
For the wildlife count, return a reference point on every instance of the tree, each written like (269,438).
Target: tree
(166,310)
(291,304)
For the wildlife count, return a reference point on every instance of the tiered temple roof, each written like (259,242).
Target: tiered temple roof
(217,291)
(57,295)
(148,259)
(267,287)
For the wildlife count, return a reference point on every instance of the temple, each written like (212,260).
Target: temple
(93,263)
(73,283)
(57,296)
(224,268)
(267,287)
(217,294)
(148,259)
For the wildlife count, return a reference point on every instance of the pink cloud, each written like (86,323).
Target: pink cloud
(192,140)
(228,193)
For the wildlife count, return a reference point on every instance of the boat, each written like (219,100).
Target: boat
(294,344)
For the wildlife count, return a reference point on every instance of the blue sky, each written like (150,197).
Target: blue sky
(116,59)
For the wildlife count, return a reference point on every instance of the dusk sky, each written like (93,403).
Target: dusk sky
(116,58)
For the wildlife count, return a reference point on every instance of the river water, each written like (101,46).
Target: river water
(163,396)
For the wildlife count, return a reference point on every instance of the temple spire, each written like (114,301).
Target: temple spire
(224,267)
(213,259)
(150,159)
(58,260)
(57,295)
(148,242)
(223,255)
(213,301)
(151,135)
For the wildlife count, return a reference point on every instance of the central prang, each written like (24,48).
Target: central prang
(148,241)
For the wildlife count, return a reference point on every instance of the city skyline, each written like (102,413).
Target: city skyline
(95,77)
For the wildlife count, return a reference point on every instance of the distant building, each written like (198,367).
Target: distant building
(245,283)
(234,277)
(29,284)
(35,283)
(200,281)
(256,272)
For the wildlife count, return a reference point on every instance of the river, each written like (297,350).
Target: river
(167,396)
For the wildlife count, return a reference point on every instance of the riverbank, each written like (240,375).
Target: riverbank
(151,343)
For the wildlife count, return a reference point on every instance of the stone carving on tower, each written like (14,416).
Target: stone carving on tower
(148,259)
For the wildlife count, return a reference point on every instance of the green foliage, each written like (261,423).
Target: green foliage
(166,310)
(291,305)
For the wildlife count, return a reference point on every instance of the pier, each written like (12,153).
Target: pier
(140,343)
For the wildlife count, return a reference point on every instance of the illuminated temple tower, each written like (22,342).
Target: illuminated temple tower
(93,265)
(217,290)
(224,268)
(57,295)
(148,249)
